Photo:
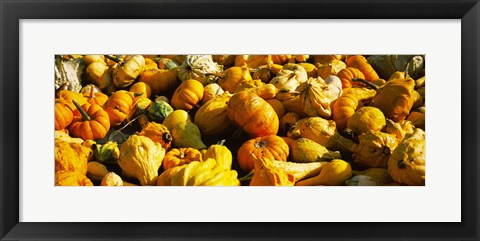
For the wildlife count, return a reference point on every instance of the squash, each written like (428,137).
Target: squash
(330,68)
(234,76)
(187,95)
(68,96)
(106,153)
(221,154)
(290,77)
(374,149)
(253,114)
(141,158)
(158,133)
(361,93)
(252,61)
(316,96)
(322,59)
(333,173)
(99,74)
(71,156)
(111,179)
(359,62)
(120,107)
(272,147)
(287,121)
(323,132)
(395,98)
(187,134)
(63,115)
(141,89)
(168,63)
(159,110)
(305,150)
(96,97)
(265,91)
(201,68)
(266,174)
(210,91)
(126,71)
(277,106)
(71,179)
(386,65)
(417,118)
(212,118)
(406,165)
(224,59)
(379,174)
(160,81)
(294,105)
(179,156)
(399,130)
(348,74)
(92,58)
(90,122)
(365,119)
(174,118)
(343,108)
(96,171)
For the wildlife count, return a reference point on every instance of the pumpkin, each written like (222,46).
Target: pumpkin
(210,91)
(212,118)
(179,156)
(201,68)
(90,122)
(99,74)
(141,90)
(289,77)
(160,81)
(272,147)
(330,68)
(287,121)
(265,91)
(126,71)
(395,98)
(120,107)
(63,115)
(374,149)
(277,106)
(141,158)
(316,96)
(150,63)
(94,96)
(68,96)
(407,163)
(366,119)
(252,61)
(234,76)
(359,62)
(158,133)
(343,108)
(253,114)
(221,154)
(187,95)
(305,150)
(346,75)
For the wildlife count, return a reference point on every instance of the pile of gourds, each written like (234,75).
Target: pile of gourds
(231,120)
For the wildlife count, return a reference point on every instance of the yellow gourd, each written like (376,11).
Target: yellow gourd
(334,173)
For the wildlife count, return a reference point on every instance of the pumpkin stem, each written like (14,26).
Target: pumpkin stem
(91,92)
(82,111)
(130,122)
(222,142)
(369,84)
(260,144)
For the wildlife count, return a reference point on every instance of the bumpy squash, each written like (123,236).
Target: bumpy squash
(330,68)
(210,91)
(316,96)
(266,174)
(289,77)
(374,149)
(233,77)
(157,133)
(272,147)
(395,98)
(71,156)
(199,67)
(366,119)
(71,179)
(187,95)
(400,129)
(407,163)
(125,72)
(179,156)
(306,150)
(212,118)
(221,154)
(141,158)
(253,114)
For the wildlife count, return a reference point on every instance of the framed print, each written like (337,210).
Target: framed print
(273,41)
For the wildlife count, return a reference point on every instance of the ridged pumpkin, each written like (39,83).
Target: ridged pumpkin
(90,122)
(160,81)
(346,75)
(120,107)
(343,108)
(63,115)
(253,114)
(187,95)
(179,156)
(212,118)
(359,62)
(68,96)
(272,147)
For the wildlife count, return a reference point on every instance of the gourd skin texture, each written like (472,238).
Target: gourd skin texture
(330,68)
(221,154)
(234,76)
(212,118)
(128,70)
(199,67)
(395,98)
(265,174)
(120,107)
(306,150)
(253,114)
(316,97)
(160,81)
(71,163)
(158,133)
(374,149)
(187,95)
(366,119)
(179,156)
(271,147)
(63,115)
(141,158)
(94,128)
(343,108)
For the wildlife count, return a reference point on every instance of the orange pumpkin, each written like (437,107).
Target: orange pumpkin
(277,106)
(90,122)
(272,147)
(68,96)
(160,81)
(63,114)
(187,95)
(96,97)
(158,133)
(343,108)
(179,156)
(120,107)
(346,75)
(253,114)
(359,62)
(141,90)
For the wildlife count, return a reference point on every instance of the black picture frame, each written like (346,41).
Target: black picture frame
(12,11)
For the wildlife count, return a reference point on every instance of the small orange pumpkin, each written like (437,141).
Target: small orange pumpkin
(272,147)
(343,108)
(346,75)
(160,81)
(141,90)
(90,122)
(63,114)
(359,62)
(187,95)
(98,98)
(120,107)
(179,156)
